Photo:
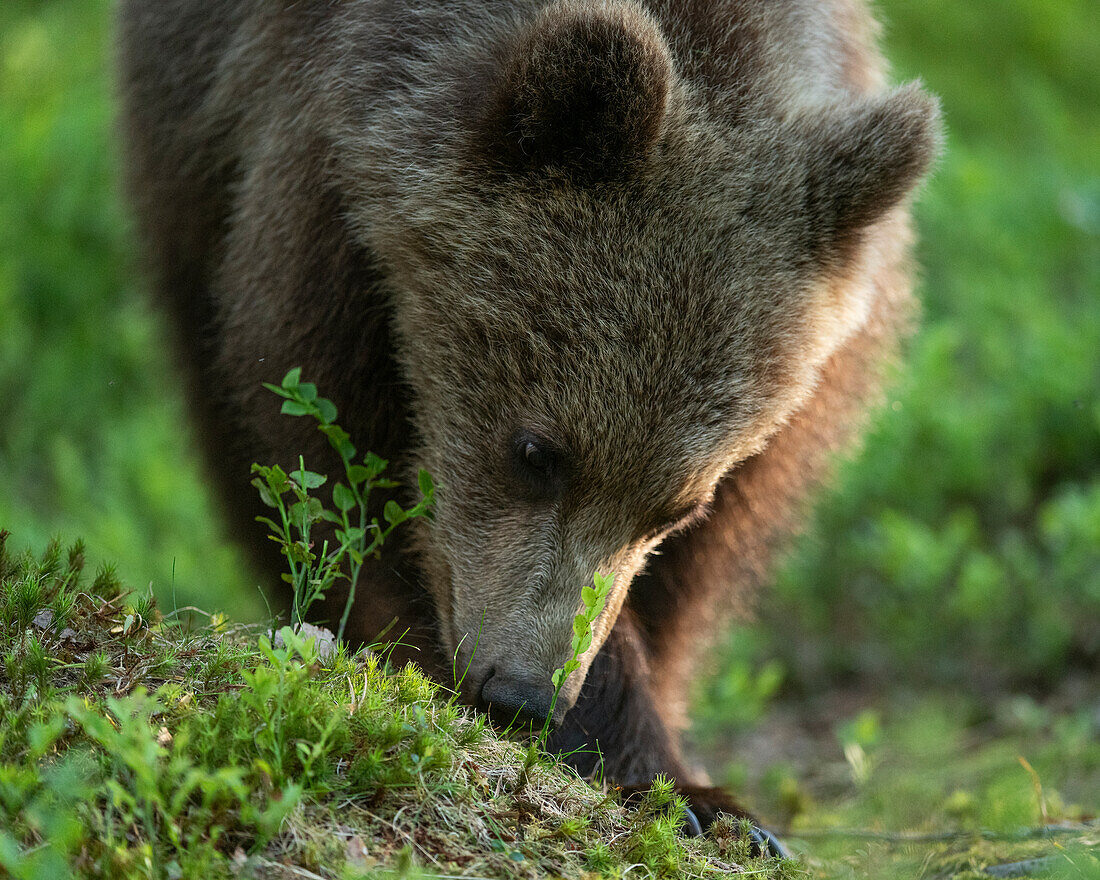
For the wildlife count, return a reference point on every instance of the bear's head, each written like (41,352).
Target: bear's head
(608,294)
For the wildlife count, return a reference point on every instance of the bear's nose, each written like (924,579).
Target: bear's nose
(511,701)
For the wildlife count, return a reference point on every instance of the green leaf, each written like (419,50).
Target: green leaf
(293,408)
(277,479)
(327,410)
(339,439)
(299,552)
(282,392)
(271,524)
(301,512)
(308,479)
(358,474)
(291,379)
(374,464)
(426,483)
(558,678)
(266,495)
(343,497)
(307,391)
(589,597)
(393,513)
(581,625)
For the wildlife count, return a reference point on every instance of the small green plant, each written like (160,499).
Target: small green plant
(358,536)
(272,704)
(594,598)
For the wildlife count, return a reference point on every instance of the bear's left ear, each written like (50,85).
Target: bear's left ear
(860,162)
(584,89)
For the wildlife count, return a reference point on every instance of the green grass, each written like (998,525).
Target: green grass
(134,746)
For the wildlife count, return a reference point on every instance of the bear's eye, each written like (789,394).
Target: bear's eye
(536,458)
(537,463)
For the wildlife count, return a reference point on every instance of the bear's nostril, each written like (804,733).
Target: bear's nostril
(512,701)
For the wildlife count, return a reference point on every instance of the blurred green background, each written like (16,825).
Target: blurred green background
(93,437)
(960,551)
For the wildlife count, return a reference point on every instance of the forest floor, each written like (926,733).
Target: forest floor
(134,744)
(873,784)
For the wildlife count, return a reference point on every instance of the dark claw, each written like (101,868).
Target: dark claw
(768,844)
(692,826)
(763,841)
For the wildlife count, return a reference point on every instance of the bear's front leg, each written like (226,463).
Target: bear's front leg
(616,729)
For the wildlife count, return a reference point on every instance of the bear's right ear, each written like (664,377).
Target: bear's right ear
(584,89)
(860,162)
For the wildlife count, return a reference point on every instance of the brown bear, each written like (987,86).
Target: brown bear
(620,274)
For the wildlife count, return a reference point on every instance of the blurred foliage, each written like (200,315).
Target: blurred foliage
(963,545)
(971,786)
(90,425)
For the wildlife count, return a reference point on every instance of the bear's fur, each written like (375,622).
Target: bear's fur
(621,274)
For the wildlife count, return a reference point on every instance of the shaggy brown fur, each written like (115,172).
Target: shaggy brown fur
(620,274)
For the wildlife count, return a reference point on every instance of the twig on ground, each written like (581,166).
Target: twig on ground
(1022,869)
(291,869)
(1061,830)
